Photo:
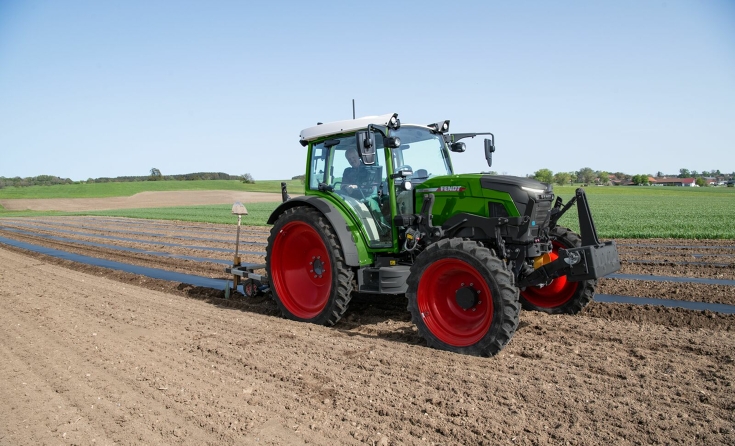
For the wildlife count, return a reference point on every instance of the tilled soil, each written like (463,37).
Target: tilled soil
(100,356)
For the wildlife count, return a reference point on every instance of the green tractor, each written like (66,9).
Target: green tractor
(384,213)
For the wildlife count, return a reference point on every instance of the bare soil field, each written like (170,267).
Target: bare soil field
(99,356)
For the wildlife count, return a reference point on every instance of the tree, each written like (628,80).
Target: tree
(562,178)
(684,173)
(622,176)
(155,175)
(586,175)
(659,174)
(701,182)
(544,175)
(640,180)
(604,177)
(247,178)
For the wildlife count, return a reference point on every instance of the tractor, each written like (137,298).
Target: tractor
(384,213)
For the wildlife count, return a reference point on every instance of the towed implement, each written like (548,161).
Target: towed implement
(384,213)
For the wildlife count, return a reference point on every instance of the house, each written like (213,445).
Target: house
(686,182)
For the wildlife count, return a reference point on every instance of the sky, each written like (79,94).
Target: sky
(92,89)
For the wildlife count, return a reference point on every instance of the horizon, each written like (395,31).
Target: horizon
(238,177)
(91,89)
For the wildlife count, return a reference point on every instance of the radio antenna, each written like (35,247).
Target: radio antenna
(353,109)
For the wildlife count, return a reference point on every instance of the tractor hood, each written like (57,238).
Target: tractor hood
(520,189)
(479,194)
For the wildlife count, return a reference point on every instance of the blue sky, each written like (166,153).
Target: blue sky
(94,89)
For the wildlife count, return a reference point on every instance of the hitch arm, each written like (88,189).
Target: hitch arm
(557,214)
(586,224)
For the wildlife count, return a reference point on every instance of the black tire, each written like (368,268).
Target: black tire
(310,280)
(447,297)
(572,297)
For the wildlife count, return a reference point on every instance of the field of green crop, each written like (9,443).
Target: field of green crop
(258,213)
(619,212)
(105,190)
(667,212)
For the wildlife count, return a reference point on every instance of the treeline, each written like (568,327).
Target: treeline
(156,176)
(587,175)
(50,180)
(41,180)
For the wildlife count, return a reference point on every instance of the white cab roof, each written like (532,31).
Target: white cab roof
(350,125)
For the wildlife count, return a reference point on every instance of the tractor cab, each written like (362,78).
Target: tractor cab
(370,170)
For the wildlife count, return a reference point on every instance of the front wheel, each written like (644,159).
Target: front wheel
(462,299)
(309,278)
(561,295)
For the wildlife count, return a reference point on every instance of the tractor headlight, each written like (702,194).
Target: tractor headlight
(392,142)
(394,122)
(407,185)
(440,127)
(535,191)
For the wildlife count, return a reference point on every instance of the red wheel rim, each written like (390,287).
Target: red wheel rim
(300,270)
(555,294)
(441,313)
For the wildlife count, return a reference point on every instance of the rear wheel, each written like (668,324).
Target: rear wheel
(462,299)
(309,278)
(561,295)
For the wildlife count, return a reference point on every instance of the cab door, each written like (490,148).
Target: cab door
(368,201)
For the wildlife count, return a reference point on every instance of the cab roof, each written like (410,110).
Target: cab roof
(349,125)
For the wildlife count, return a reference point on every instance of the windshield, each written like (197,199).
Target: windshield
(422,152)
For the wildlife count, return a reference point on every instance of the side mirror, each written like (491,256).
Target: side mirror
(366,147)
(489,149)
(458,147)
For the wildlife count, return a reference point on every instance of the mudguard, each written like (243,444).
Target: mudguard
(349,248)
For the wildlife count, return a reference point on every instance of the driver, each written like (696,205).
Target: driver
(350,175)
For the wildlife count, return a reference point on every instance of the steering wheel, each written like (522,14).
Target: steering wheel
(368,180)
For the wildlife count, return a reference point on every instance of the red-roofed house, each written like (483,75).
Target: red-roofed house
(687,182)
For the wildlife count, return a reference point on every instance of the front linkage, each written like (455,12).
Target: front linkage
(592,260)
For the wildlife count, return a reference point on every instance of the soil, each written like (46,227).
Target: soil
(99,356)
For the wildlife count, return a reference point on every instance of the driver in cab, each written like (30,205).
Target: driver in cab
(350,175)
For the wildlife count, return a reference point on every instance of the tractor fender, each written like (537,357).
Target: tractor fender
(349,248)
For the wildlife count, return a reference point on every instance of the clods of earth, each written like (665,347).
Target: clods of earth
(93,355)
